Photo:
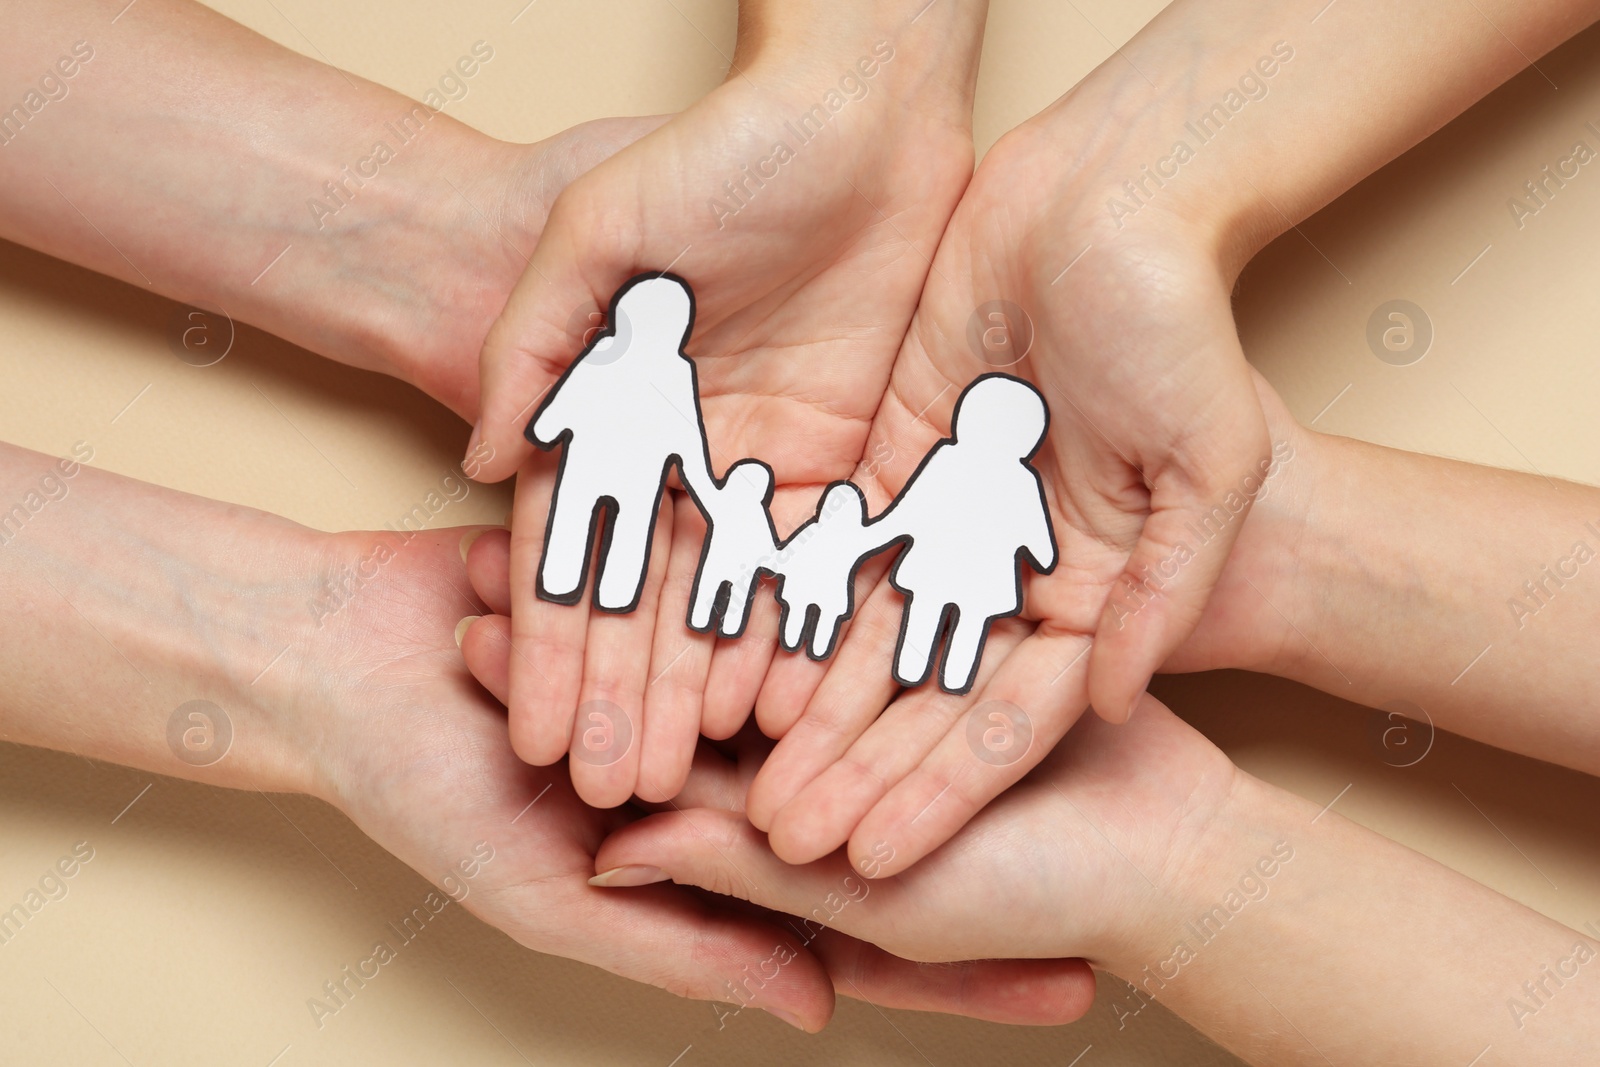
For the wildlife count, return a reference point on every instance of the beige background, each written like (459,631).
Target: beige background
(207,917)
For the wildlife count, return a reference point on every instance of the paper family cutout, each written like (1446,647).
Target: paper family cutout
(627,411)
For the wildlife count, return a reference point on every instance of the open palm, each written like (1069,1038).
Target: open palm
(803,294)
(1156,431)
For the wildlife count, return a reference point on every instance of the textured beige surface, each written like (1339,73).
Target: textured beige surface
(207,918)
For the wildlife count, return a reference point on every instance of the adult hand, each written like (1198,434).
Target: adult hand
(1156,440)
(1114,224)
(1093,855)
(803,200)
(417,754)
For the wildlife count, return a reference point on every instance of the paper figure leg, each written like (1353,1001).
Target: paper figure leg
(706,584)
(567,547)
(822,638)
(961,653)
(794,625)
(622,578)
(916,644)
(739,596)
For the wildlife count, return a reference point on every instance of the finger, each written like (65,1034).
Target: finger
(542,329)
(713,781)
(487,553)
(547,640)
(662,935)
(791,682)
(1034,697)
(823,815)
(738,667)
(793,679)
(858,686)
(680,660)
(486,646)
(1198,507)
(721,852)
(1020,992)
(609,722)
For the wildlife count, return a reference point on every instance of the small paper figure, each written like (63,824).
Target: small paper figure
(816,570)
(740,546)
(627,409)
(971,511)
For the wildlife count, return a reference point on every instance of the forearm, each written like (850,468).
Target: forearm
(1302,938)
(1246,117)
(1471,592)
(193,157)
(126,601)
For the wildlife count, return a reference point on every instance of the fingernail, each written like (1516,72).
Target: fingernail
(463,625)
(472,442)
(469,537)
(631,875)
(792,1020)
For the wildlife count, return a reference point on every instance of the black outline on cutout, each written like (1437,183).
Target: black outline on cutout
(950,614)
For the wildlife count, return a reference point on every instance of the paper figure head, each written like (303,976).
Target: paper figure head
(750,479)
(654,307)
(843,502)
(1001,414)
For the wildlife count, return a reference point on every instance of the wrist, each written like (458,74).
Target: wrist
(1307,555)
(891,60)
(1152,156)
(147,627)
(409,278)
(1229,867)
(244,640)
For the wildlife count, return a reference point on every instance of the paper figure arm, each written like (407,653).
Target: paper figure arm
(1040,541)
(554,416)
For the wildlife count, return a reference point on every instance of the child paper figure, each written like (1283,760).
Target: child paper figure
(740,545)
(817,568)
(627,409)
(973,508)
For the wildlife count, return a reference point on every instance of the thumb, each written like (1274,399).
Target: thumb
(533,341)
(718,851)
(721,852)
(1198,506)
(553,312)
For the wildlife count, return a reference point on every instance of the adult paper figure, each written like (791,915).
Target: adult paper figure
(626,410)
(972,510)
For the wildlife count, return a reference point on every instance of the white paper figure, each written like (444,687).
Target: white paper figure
(740,546)
(971,511)
(627,409)
(816,570)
